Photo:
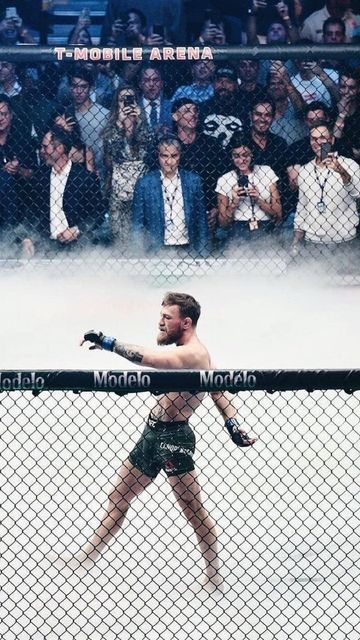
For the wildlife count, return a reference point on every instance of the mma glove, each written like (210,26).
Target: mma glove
(237,435)
(99,340)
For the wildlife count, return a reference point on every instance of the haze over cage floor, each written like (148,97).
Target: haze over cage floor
(246,322)
(287,509)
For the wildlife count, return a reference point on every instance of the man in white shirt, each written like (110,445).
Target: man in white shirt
(328,185)
(313,25)
(67,201)
(169,205)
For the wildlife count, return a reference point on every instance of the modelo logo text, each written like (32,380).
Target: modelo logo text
(22,381)
(123,380)
(232,379)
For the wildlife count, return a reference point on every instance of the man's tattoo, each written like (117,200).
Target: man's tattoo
(128,351)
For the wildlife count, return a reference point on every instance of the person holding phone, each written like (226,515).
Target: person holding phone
(329,185)
(126,142)
(248,197)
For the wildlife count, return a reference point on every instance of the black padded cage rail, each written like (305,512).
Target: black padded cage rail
(286,509)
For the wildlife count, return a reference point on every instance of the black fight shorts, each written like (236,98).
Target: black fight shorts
(164,445)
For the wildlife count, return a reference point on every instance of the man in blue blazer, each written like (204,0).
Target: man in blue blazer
(169,206)
(156,107)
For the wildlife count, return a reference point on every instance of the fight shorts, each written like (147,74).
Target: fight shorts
(164,445)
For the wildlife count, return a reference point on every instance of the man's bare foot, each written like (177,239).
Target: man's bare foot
(84,558)
(213,584)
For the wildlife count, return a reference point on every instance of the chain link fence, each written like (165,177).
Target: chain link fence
(243,154)
(286,509)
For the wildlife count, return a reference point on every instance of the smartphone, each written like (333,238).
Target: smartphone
(325,150)
(129,101)
(243,181)
(212,17)
(158,29)
(124,17)
(11,13)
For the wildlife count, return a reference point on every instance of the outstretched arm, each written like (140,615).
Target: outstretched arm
(223,402)
(176,358)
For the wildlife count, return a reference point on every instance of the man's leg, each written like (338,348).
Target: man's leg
(129,484)
(188,495)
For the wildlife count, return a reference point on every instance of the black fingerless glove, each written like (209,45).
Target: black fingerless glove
(98,338)
(237,435)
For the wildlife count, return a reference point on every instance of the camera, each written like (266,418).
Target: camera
(243,181)
(129,101)
(325,150)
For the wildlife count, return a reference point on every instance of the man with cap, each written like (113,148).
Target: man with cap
(220,114)
(201,88)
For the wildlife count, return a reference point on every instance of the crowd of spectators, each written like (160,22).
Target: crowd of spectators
(190,158)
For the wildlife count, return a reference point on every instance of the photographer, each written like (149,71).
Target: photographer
(326,215)
(12,30)
(248,197)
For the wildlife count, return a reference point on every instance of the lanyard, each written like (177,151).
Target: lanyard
(323,184)
(170,198)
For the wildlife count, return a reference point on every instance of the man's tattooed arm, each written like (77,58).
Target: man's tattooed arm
(129,351)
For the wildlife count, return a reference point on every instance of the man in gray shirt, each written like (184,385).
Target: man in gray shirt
(91,116)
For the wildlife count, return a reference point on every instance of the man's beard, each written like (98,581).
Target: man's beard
(164,338)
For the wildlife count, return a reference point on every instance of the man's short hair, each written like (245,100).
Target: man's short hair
(6,100)
(317,126)
(348,72)
(188,306)
(59,135)
(316,105)
(264,101)
(151,66)
(82,74)
(168,139)
(177,104)
(333,21)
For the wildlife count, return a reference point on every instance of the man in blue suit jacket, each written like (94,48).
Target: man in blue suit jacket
(169,206)
(157,109)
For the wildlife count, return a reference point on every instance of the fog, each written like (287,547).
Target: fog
(247,321)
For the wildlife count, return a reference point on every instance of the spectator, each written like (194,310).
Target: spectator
(326,214)
(263,13)
(167,13)
(80,34)
(220,114)
(213,30)
(67,202)
(248,197)
(129,29)
(156,107)
(314,82)
(313,25)
(268,148)
(301,152)
(169,207)
(79,152)
(17,162)
(250,90)
(90,116)
(333,33)
(281,28)
(13,31)
(9,82)
(199,152)
(288,119)
(202,88)
(126,142)
(347,113)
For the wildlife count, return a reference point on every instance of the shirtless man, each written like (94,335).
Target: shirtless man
(167,441)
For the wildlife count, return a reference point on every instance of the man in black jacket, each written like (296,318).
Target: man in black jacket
(67,201)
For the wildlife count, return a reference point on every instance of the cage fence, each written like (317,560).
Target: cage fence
(244,189)
(286,509)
